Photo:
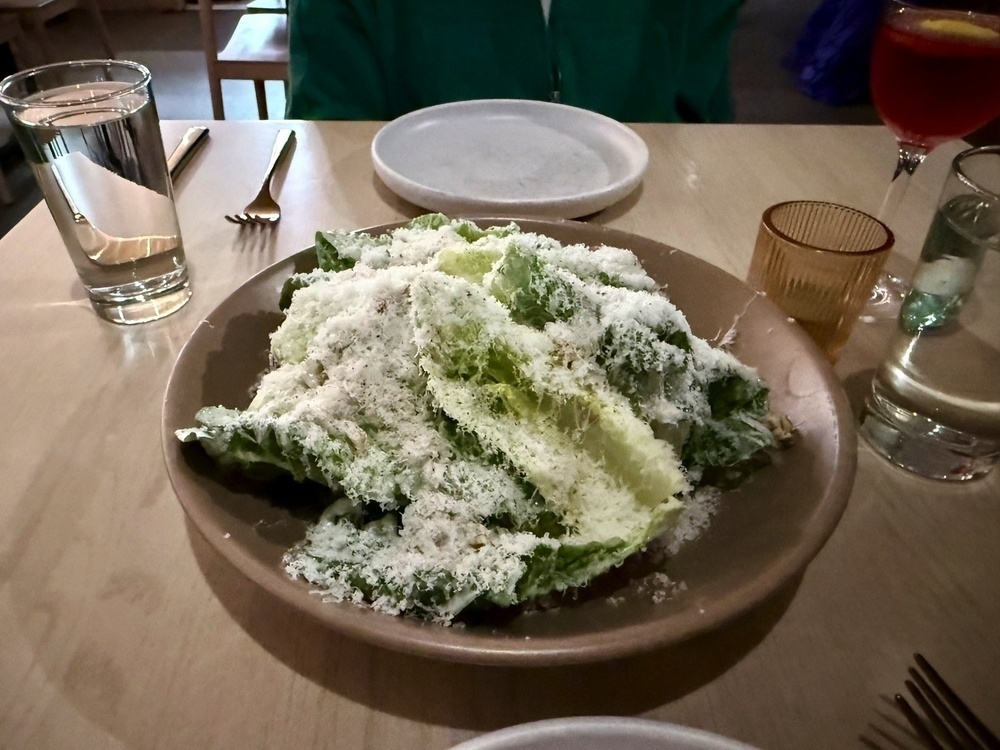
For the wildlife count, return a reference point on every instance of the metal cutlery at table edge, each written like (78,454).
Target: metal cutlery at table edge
(944,720)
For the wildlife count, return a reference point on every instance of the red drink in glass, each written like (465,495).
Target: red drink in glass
(936,74)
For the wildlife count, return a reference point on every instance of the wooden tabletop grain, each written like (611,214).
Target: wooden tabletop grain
(120,627)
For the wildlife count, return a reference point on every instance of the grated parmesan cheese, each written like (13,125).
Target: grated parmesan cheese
(503,416)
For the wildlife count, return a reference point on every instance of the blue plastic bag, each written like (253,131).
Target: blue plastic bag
(832,55)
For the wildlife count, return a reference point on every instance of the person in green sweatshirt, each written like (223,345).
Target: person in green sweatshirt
(632,60)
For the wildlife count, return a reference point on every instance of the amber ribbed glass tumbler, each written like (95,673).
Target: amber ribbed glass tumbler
(819,261)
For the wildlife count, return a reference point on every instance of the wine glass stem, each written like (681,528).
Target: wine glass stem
(910,157)
(889,289)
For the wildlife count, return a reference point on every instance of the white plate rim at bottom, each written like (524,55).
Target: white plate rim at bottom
(566,733)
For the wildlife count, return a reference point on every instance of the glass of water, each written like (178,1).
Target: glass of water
(90,132)
(934,406)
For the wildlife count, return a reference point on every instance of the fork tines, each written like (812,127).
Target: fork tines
(944,720)
(248,219)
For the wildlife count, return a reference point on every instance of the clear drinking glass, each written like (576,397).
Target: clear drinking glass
(818,261)
(90,132)
(934,78)
(934,407)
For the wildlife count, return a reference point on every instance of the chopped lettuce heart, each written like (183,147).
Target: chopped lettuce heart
(594,462)
(500,416)
(534,291)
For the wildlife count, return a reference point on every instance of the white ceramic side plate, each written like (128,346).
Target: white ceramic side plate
(509,157)
(600,733)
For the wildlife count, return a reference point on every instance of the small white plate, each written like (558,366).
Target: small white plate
(509,157)
(600,733)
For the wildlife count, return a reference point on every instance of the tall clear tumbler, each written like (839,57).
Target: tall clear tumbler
(934,406)
(90,132)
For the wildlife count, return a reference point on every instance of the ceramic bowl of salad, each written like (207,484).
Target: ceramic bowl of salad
(521,443)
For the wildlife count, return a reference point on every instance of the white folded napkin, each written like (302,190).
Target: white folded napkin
(138,221)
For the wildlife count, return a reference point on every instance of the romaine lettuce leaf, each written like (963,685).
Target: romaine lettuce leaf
(595,463)
(497,415)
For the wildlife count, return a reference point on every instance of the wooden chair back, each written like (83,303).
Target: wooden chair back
(257,51)
(34,14)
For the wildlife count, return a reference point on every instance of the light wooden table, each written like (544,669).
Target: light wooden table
(121,628)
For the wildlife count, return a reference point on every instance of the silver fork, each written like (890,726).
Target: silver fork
(264,209)
(946,719)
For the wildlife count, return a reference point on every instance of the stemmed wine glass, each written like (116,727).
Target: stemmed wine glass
(935,77)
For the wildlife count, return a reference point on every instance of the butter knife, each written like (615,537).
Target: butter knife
(191,140)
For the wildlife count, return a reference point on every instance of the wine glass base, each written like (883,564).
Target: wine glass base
(886,299)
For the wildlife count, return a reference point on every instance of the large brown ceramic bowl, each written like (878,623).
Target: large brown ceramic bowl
(763,535)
